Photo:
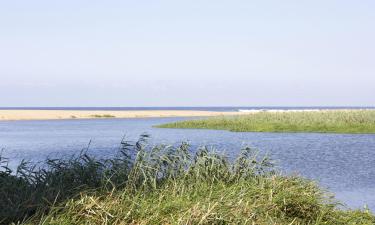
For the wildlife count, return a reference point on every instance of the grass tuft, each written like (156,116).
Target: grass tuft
(103,116)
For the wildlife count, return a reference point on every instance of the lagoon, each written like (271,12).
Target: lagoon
(343,163)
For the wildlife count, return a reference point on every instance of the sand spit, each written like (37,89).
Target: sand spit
(91,114)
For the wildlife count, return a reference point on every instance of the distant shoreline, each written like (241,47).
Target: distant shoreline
(34,114)
(8,115)
(190,108)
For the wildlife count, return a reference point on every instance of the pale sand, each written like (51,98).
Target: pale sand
(93,114)
(82,114)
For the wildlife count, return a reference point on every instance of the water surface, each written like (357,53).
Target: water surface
(344,163)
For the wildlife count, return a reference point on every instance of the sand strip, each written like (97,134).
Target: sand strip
(21,114)
(91,114)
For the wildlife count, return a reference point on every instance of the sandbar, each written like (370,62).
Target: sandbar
(94,114)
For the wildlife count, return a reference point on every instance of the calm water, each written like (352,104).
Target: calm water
(344,163)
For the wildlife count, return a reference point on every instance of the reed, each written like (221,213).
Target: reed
(337,121)
(165,184)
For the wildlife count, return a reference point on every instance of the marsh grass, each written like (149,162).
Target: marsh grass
(336,121)
(165,184)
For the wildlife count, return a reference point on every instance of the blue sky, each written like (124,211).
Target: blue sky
(187,53)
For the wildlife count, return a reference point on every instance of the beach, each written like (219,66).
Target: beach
(92,114)
(55,114)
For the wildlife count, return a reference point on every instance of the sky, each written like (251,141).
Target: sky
(187,53)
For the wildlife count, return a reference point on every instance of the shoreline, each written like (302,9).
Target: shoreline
(31,114)
(13,115)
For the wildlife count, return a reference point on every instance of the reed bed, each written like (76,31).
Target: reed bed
(165,185)
(334,121)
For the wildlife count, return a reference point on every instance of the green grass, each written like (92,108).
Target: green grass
(338,121)
(103,116)
(163,184)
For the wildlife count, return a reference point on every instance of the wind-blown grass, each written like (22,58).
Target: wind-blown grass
(338,121)
(165,185)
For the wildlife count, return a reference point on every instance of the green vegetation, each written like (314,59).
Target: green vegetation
(163,184)
(338,121)
(103,116)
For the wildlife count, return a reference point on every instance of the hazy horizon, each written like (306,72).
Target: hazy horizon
(192,107)
(187,54)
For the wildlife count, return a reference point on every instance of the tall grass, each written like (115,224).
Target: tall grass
(338,121)
(165,185)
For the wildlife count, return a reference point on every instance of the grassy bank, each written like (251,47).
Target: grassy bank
(165,185)
(338,121)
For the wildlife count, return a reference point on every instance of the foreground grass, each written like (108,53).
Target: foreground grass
(166,185)
(337,121)
(275,200)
